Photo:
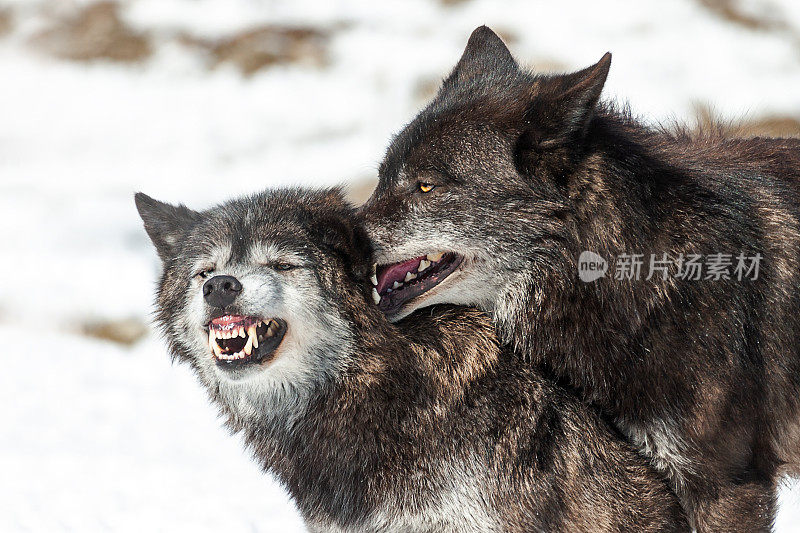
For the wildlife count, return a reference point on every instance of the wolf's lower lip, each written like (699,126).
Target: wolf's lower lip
(237,340)
(393,295)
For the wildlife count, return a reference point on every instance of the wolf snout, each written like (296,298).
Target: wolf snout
(221,291)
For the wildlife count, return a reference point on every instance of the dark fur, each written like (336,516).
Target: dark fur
(533,170)
(421,409)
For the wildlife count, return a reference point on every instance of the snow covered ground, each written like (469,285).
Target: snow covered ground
(99,435)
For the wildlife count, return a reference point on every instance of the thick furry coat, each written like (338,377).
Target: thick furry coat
(425,425)
(519,174)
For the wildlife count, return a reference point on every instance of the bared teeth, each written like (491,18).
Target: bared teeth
(374,278)
(217,350)
(435,258)
(409,277)
(248,348)
(375,296)
(423,265)
(251,332)
(215,336)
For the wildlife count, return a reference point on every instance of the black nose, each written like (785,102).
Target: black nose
(221,291)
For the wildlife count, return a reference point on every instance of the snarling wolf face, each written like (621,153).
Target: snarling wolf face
(474,194)
(249,292)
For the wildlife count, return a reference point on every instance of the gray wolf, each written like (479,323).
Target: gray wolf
(492,193)
(424,425)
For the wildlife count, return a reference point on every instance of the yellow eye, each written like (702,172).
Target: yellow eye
(426,187)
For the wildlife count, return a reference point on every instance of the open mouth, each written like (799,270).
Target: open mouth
(238,340)
(396,284)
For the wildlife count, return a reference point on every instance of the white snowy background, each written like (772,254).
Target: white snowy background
(196,101)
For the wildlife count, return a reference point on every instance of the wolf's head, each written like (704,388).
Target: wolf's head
(254,292)
(476,191)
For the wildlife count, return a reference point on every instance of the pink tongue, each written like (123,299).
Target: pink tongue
(397,272)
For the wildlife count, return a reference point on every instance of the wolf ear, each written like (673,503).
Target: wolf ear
(347,240)
(486,53)
(164,223)
(564,105)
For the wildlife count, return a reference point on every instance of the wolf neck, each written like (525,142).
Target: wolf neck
(582,332)
(340,455)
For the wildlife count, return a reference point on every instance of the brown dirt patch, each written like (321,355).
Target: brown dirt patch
(6,21)
(267,46)
(359,190)
(771,126)
(425,88)
(126,331)
(764,126)
(96,32)
(730,11)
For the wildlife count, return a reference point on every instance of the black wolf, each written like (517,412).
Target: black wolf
(489,196)
(420,426)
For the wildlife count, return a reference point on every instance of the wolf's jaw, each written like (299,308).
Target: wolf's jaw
(395,284)
(239,339)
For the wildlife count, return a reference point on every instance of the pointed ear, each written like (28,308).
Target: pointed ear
(486,53)
(346,239)
(564,105)
(337,227)
(166,224)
